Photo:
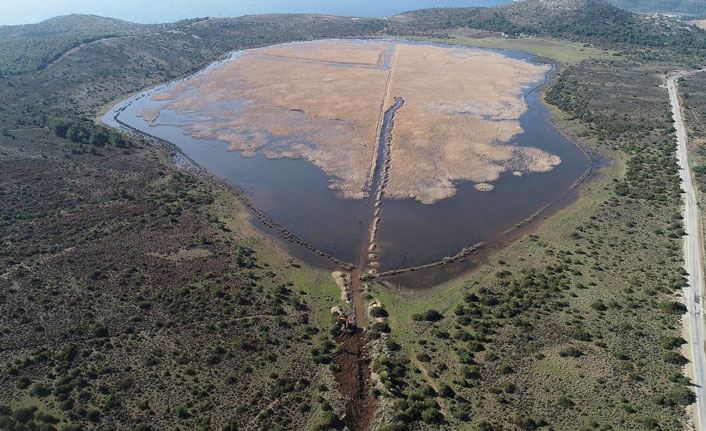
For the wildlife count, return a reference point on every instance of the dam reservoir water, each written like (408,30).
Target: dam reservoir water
(296,194)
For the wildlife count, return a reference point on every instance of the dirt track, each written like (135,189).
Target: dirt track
(81,46)
(354,378)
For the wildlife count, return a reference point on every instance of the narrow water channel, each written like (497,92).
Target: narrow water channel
(376,191)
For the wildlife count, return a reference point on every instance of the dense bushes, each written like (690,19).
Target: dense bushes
(26,418)
(428,316)
(83,132)
(590,21)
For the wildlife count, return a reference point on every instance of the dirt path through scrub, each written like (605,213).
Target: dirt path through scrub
(354,362)
(82,45)
(431,383)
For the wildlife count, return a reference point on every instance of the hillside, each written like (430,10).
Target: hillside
(137,295)
(72,25)
(592,21)
(697,7)
(589,20)
(25,48)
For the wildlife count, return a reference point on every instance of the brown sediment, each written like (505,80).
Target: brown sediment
(353,376)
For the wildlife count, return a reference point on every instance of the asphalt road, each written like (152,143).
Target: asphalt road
(693,252)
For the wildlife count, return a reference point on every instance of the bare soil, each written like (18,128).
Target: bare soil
(354,379)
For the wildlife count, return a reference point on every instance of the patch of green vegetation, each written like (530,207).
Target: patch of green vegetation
(136,295)
(148,280)
(587,308)
(562,51)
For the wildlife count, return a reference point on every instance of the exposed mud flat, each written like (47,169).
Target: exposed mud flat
(317,101)
(484,187)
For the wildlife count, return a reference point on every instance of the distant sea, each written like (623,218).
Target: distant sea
(157,11)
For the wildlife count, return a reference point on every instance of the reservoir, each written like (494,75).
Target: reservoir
(309,201)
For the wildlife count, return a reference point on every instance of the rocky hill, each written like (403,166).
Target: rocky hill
(589,21)
(695,7)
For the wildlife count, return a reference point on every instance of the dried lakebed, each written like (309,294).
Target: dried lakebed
(384,154)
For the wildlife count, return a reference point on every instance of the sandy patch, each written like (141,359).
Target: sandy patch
(484,187)
(701,23)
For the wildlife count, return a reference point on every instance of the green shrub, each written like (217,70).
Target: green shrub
(669,343)
(672,307)
(680,395)
(565,402)
(599,305)
(570,351)
(380,327)
(423,357)
(378,312)
(675,358)
(431,415)
(430,315)
(40,390)
(24,414)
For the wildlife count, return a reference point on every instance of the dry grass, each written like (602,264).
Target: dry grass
(324,113)
(321,101)
(150,114)
(460,105)
(333,52)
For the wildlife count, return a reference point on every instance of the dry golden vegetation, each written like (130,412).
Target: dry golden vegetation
(324,113)
(460,105)
(370,53)
(456,123)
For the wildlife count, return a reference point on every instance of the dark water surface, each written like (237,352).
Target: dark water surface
(296,194)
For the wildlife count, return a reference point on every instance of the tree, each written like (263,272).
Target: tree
(430,315)
(99,138)
(59,128)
